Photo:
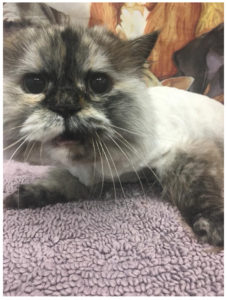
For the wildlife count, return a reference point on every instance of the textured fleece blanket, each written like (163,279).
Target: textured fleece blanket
(107,247)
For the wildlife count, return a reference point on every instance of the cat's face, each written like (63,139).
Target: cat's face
(71,88)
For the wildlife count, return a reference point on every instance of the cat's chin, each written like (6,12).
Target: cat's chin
(61,141)
(65,140)
(67,148)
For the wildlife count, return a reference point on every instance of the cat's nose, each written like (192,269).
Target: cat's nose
(65,102)
(65,110)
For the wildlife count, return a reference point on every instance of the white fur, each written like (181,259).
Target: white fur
(89,112)
(42,125)
(173,120)
(181,117)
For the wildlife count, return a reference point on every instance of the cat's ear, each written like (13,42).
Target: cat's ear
(182,82)
(21,15)
(142,46)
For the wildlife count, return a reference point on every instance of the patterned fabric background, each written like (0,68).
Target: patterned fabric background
(191,40)
(179,25)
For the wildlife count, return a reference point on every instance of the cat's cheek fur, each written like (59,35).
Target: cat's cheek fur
(42,125)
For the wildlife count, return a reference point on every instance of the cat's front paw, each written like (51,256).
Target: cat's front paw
(210,228)
(30,196)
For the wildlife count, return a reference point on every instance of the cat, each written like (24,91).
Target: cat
(76,97)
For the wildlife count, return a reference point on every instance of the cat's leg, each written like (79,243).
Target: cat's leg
(58,186)
(194,183)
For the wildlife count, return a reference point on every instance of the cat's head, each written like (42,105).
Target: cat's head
(70,88)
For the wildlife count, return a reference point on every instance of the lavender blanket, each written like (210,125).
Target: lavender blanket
(107,247)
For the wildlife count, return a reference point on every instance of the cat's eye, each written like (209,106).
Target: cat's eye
(100,82)
(35,83)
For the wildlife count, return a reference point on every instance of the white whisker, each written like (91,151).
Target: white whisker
(102,168)
(26,149)
(94,168)
(108,163)
(13,144)
(30,151)
(114,165)
(137,175)
(94,163)
(23,142)
(126,130)
(13,128)
(139,133)
(41,153)
(130,147)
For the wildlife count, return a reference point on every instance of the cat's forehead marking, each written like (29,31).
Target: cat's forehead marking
(71,41)
(67,52)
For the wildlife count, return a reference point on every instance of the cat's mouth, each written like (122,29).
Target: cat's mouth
(68,139)
(80,137)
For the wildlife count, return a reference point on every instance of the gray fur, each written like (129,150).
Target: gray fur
(194,183)
(60,185)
